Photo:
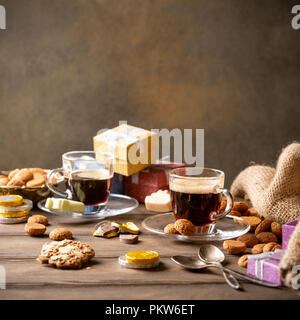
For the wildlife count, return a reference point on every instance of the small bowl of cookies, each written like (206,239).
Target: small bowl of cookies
(30,183)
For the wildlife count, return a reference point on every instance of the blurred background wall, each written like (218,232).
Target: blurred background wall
(69,68)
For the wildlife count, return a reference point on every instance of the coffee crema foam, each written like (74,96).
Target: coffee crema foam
(195,186)
(96,174)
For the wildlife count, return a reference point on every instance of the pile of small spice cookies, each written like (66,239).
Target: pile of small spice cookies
(181,226)
(264,236)
(36,226)
(62,252)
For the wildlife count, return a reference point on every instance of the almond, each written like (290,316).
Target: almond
(264,226)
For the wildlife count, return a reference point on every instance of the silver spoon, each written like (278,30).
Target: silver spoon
(196,264)
(213,257)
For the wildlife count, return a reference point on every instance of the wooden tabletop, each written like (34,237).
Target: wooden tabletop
(104,278)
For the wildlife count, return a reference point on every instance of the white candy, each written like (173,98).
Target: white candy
(159,201)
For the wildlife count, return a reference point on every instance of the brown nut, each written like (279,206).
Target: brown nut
(35,229)
(277,229)
(234,246)
(38,218)
(249,240)
(253,222)
(258,248)
(185,227)
(266,237)
(170,228)
(264,226)
(59,234)
(243,261)
(271,246)
(240,206)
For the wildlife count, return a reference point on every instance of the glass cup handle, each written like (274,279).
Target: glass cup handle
(229,203)
(50,184)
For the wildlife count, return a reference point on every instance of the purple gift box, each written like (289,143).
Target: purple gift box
(287,230)
(265,266)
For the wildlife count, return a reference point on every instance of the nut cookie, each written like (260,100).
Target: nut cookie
(35,229)
(38,218)
(185,227)
(66,254)
(170,228)
(59,234)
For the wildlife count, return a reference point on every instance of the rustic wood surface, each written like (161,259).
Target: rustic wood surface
(104,278)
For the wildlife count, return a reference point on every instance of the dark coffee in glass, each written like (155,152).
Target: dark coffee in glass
(196,195)
(92,187)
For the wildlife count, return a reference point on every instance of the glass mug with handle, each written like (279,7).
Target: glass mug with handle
(87,176)
(197,194)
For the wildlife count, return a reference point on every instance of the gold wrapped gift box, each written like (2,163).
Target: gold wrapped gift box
(134,148)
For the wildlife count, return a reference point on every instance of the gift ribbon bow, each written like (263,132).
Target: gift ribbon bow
(128,136)
(259,259)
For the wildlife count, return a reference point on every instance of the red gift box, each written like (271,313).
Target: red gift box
(152,179)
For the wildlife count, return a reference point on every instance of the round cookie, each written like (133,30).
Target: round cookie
(35,229)
(185,227)
(170,228)
(38,218)
(59,234)
(66,254)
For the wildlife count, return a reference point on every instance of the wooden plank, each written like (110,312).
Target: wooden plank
(203,291)
(27,246)
(102,272)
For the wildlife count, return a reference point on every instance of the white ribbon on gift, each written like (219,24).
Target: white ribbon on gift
(128,135)
(259,259)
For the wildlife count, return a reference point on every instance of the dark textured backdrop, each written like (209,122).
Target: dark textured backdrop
(71,67)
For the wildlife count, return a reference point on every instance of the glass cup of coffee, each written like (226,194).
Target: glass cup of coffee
(197,194)
(87,177)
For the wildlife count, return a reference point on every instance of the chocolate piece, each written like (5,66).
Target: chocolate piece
(129,238)
(105,228)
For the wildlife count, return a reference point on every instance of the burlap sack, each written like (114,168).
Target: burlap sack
(275,192)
